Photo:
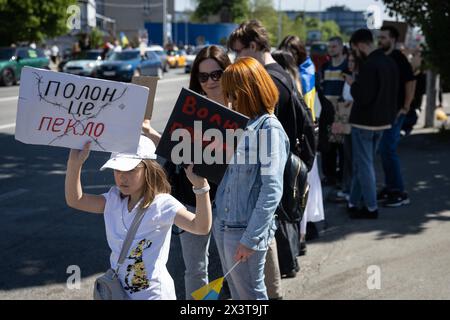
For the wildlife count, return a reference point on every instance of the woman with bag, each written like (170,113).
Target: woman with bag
(141,191)
(206,72)
(251,189)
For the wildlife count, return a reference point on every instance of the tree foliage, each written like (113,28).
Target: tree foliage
(31,20)
(433,17)
(264,11)
(228,10)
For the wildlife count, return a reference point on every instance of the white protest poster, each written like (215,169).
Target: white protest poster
(59,109)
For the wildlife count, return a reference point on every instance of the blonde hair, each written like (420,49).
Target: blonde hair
(155,182)
(250,86)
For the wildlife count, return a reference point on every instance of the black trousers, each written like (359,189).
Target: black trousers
(288,244)
(332,160)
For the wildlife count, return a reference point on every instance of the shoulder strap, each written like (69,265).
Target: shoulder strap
(130,236)
(292,93)
(284,81)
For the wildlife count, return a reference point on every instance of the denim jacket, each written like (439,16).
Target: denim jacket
(250,191)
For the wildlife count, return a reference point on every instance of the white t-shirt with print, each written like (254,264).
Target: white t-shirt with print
(144,274)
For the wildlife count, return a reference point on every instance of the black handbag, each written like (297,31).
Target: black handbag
(295,185)
(295,190)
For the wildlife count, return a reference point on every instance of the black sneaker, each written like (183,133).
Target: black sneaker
(290,274)
(364,213)
(383,195)
(397,199)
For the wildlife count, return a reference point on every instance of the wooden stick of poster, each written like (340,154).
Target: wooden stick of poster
(150,83)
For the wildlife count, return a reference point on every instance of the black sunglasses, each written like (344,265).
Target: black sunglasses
(215,75)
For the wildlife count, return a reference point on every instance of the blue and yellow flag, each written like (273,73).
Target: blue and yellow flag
(124,39)
(212,290)
(308,80)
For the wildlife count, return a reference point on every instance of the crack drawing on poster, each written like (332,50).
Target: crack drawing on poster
(78,122)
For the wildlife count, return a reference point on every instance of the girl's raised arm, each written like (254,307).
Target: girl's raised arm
(75,197)
(199,223)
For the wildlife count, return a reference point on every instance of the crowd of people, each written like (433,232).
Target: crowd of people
(360,100)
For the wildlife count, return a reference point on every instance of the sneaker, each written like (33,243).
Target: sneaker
(397,199)
(364,213)
(290,274)
(338,197)
(383,195)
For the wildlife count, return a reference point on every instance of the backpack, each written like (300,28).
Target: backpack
(307,130)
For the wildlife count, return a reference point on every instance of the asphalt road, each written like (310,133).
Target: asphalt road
(402,255)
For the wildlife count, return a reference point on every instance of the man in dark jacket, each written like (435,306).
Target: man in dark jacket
(374,110)
(393,192)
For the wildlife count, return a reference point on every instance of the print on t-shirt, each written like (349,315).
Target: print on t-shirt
(139,280)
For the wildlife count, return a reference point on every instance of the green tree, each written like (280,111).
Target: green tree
(96,38)
(228,10)
(264,11)
(433,17)
(329,29)
(30,20)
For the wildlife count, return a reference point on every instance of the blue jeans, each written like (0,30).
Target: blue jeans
(363,189)
(195,255)
(389,156)
(246,281)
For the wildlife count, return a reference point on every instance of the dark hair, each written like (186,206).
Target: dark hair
(287,61)
(361,36)
(249,31)
(393,32)
(356,59)
(345,50)
(295,46)
(216,53)
(337,39)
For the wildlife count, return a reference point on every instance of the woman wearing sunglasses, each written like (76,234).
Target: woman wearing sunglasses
(206,73)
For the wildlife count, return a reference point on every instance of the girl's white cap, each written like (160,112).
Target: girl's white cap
(128,161)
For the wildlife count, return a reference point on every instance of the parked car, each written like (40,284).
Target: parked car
(191,57)
(85,63)
(162,54)
(12,60)
(176,58)
(122,66)
(152,66)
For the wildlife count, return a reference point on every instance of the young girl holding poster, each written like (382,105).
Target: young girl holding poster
(141,188)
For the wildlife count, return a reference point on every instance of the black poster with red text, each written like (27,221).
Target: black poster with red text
(207,126)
